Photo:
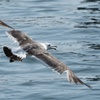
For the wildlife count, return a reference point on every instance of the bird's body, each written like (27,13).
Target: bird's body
(36,49)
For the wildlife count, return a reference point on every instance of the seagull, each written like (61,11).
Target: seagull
(38,50)
(18,54)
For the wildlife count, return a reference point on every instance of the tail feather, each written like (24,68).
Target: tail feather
(10,55)
(72,78)
(7,51)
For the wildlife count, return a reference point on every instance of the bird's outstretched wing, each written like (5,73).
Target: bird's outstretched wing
(24,41)
(60,67)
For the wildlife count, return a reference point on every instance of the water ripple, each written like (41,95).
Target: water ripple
(73,26)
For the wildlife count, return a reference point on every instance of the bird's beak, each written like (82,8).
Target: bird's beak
(53,47)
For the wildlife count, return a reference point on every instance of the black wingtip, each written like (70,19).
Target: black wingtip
(89,86)
(5,25)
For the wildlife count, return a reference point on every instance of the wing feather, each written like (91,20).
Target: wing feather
(52,62)
(20,37)
(60,67)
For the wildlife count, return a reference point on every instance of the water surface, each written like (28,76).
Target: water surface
(72,25)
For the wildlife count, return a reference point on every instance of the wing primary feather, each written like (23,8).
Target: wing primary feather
(5,25)
(73,78)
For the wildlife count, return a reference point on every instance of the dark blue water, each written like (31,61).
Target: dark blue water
(72,25)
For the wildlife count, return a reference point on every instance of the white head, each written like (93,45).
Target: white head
(48,46)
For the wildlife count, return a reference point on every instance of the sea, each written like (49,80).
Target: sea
(74,27)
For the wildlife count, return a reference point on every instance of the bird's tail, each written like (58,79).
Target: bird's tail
(72,78)
(10,55)
(5,25)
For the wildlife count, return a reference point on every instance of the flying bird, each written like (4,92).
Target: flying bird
(33,48)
